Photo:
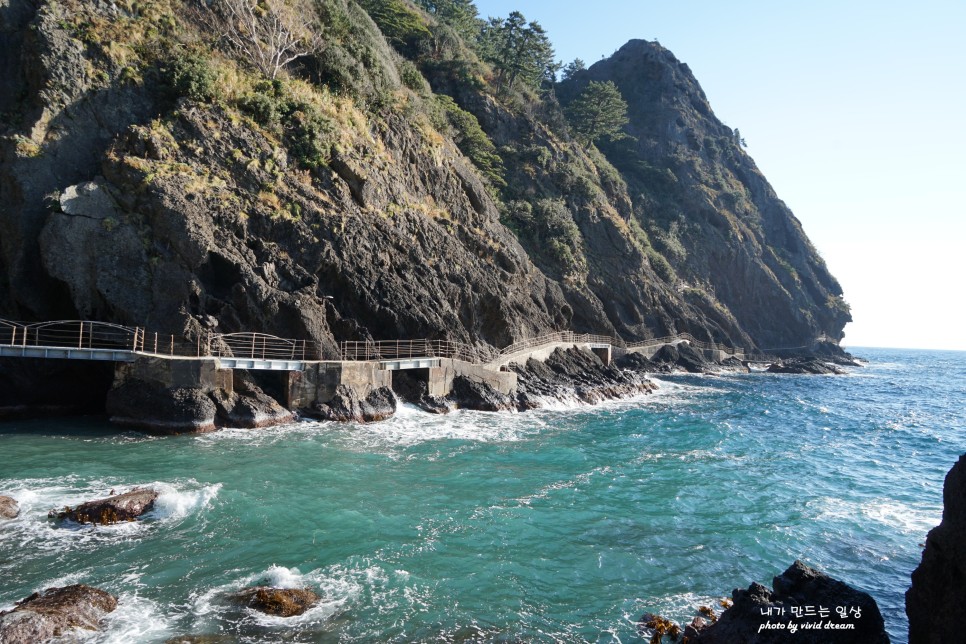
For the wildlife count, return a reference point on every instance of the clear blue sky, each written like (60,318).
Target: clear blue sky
(854,111)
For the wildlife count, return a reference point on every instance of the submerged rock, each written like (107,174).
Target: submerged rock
(347,406)
(764,616)
(935,601)
(113,509)
(9,508)
(814,366)
(53,613)
(283,602)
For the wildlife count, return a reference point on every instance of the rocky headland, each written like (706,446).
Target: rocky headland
(374,189)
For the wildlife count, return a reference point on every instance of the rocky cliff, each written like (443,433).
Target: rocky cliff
(150,174)
(934,602)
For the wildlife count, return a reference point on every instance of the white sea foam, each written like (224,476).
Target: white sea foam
(37,497)
(909,519)
(337,586)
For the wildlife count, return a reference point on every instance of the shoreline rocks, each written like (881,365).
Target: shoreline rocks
(812,366)
(117,508)
(347,406)
(281,602)
(55,612)
(9,508)
(766,616)
(934,601)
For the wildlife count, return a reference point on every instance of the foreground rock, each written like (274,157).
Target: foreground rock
(113,509)
(935,601)
(54,613)
(680,356)
(9,508)
(347,406)
(764,616)
(166,410)
(282,602)
(248,406)
(577,375)
(814,366)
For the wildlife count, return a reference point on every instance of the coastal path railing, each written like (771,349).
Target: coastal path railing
(409,349)
(81,337)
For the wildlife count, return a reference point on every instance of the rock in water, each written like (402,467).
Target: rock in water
(764,616)
(812,366)
(8,508)
(935,601)
(156,408)
(54,613)
(347,406)
(283,602)
(113,509)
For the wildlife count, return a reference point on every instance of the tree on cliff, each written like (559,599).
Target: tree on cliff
(599,111)
(461,15)
(270,34)
(520,51)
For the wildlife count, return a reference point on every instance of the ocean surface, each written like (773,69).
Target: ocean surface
(559,525)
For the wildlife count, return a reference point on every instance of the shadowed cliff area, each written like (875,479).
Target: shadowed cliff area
(386,182)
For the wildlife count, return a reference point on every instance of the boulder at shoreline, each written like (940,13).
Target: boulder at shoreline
(282,602)
(112,509)
(9,508)
(772,616)
(53,613)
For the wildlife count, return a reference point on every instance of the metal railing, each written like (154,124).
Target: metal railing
(369,350)
(83,334)
(259,346)
(71,334)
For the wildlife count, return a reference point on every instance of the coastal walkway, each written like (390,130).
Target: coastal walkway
(209,359)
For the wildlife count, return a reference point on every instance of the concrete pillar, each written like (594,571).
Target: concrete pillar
(319,382)
(604,353)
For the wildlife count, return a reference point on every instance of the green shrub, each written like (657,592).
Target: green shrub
(191,76)
(472,140)
(306,132)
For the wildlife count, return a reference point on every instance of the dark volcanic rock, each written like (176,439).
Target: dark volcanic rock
(798,587)
(346,406)
(804,366)
(54,613)
(156,408)
(473,394)
(935,601)
(680,355)
(416,391)
(248,406)
(283,602)
(9,509)
(113,509)
(575,374)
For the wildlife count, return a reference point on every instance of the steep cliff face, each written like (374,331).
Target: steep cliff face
(707,208)
(938,591)
(149,175)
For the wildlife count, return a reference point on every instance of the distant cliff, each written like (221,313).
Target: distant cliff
(383,185)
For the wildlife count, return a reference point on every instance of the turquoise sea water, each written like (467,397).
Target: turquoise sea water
(556,525)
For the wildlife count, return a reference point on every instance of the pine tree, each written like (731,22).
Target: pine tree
(461,15)
(520,51)
(571,68)
(599,111)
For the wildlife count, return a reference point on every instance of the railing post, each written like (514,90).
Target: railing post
(172,344)
(80,336)
(155,341)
